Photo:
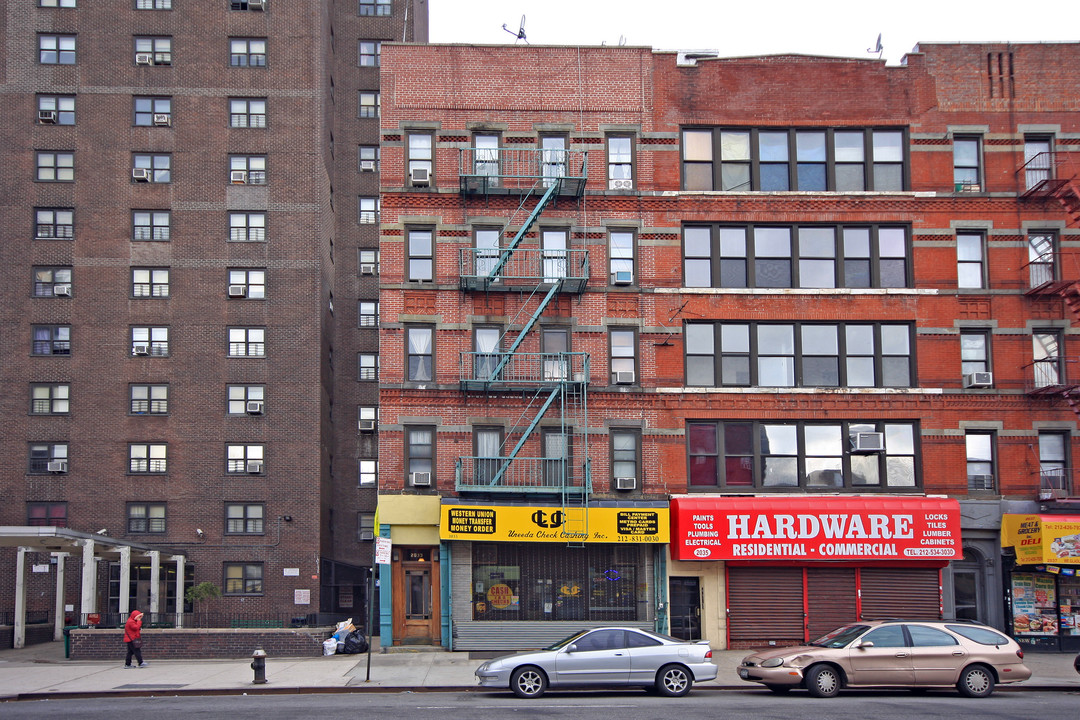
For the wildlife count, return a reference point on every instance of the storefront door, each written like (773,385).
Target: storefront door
(415,593)
(685,607)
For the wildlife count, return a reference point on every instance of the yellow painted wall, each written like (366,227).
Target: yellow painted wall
(713,595)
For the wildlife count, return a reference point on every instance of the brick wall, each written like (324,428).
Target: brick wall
(198,644)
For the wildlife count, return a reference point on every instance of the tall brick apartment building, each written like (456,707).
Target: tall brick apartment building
(735,348)
(186,284)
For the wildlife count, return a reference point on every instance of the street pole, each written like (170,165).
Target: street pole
(371,617)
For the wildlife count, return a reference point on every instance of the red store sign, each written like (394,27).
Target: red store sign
(815,528)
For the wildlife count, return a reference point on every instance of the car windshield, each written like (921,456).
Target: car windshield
(840,637)
(565,641)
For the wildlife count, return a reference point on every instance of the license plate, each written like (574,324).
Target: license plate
(744,673)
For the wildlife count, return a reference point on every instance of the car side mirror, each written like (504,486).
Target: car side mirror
(866,644)
(571,648)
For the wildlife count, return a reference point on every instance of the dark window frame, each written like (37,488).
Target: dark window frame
(614,359)
(58,342)
(153,286)
(158,347)
(243,112)
(251,344)
(51,50)
(371,109)
(414,157)
(159,165)
(237,463)
(159,46)
(415,374)
(370,50)
(417,259)
(152,402)
(46,279)
(364,369)
(618,456)
(40,454)
(145,107)
(374,8)
(963,262)
(147,524)
(54,166)
(61,103)
(968,172)
(56,395)
(416,456)
(976,364)
(56,228)
(250,579)
(47,514)
(147,463)
(238,395)
(249,278)
(246,523)
(248,55)
(248,226)
(981,482)
(152,230)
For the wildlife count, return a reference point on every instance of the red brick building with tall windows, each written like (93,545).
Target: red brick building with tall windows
(729,347)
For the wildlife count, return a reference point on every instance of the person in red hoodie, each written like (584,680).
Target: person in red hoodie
(133,638)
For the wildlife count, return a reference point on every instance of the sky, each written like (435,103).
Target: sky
(844,28)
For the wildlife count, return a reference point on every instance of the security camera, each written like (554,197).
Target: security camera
(199,532)
(102,531)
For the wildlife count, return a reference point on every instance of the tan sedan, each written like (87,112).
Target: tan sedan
(968,656)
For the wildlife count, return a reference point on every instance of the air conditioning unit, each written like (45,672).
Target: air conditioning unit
(367,534)
(367,426)
(968,187)
(256,4)
(62,290)
(420,479)
(367,166)
(144,59)
(622,277)
(980,482)
(140,349)
(47,117)
(978,379)
(868,442)
(141,175)
(621,185)
(237,291)
(624,377)
(57,466)
(625,483)
(367,268)
(254,466)
(238,177)
(162,119)
(420,177)
(254,407)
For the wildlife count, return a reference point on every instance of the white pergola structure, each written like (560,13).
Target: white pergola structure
(62,543)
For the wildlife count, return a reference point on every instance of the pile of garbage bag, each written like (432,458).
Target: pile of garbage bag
(346,640)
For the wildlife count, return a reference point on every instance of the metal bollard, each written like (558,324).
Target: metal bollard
(258,664)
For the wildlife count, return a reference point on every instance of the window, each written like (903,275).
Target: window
(620,162)
(153,4)
(420,159)
(368,472)
(375,7)
(55,167)
(368,104)
(56,109)
(365,526)
(625,457)
(970,260)
(48,458)
(243,579)
(56,3)
(367,418)
(151,168)
(368,210)
(52,282)
(240,397)
(150,282)
(367,314)
(798,355)
(420,455)
(974,351)
(487,448)
(369,52)
(247,169)
(146,517)
(802,256)
(621,257)
(150,111)
(553,157)
(247,227)
(1038,159)
(250,284)
(147,458)
(487,250)
(246,5)
(56,49)
(153,51)
(46,513)
(51,340)
(247,112)
(54,223)
(1047,364)
(244,459)
(486,349)
(150,341)
(757,455)
(557,458)
(623,356)
(967,167)
(421,254)
(980,460)
(556,261)
(1042,258)
(244,519)
(247,52)
(486,161)
(420,353)
(367,366)
(368,262)
(151,225)
(369,158)
(554,346)
(1054,472)
(50,399)
(247,342)
(149,399)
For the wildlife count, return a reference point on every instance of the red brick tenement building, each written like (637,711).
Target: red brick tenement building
(733,348)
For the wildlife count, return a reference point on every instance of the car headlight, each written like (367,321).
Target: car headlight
(482,668)
(772,662)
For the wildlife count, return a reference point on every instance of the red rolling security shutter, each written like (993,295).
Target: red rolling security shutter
(830,599)
(765,603)
(906,594)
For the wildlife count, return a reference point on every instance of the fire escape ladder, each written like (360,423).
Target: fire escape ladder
(551,293)
(505,464)
(545,200)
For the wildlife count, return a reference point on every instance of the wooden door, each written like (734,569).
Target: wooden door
(416,596)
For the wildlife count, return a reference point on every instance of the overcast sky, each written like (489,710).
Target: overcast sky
(845,28)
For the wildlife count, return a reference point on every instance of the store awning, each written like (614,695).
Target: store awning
(815,528)
(1042,538)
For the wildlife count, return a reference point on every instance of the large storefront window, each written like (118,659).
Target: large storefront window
(1046,610)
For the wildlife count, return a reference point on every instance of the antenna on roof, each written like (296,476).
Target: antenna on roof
(877,48)
(520,34)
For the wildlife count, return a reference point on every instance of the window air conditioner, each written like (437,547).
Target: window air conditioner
(624,377)
(625,483)
(981,482)
(237,291)
(254,407)
(367,166)
(367,534)
(162,119)
(254,466)
(367,268)
(622,277)
(144,59)
(238,177)
(57,466)
(256,4)
(47,117)
(868,442)
(420,479)
(367,425)
(621,185)
(420,177)
(62,290)
(141,175)
(968,187)
(978,379)
(140,349)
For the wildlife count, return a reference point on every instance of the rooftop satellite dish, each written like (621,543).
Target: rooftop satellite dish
(520,34)
(877,48)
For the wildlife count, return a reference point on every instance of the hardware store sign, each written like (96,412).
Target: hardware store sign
(499,523)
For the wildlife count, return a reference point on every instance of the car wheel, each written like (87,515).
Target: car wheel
(823,681)
(779,689)
(673,681)
(528,682)
(976,681)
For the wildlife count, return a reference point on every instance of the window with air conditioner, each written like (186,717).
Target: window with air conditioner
(981,463)
(242,399)
(56,109)
(420,454)
(249,283)
(150,341)
(151,168)
(620,162)
(244,458)
(247,169)
(623,347)
(420,479)
(254,407)
(153,51)
(369,157)
(52,282)
(625,483)
(47,458)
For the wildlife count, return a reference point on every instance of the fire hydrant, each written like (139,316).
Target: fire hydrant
(258,664)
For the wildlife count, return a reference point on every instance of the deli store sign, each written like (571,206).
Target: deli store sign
(815,528)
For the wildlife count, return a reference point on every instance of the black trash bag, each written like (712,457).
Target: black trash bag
(355,643)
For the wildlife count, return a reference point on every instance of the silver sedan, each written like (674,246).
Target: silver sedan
(604,657)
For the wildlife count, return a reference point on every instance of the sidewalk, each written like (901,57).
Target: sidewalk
(41,671)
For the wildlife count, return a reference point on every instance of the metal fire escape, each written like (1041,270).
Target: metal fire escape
(552,385)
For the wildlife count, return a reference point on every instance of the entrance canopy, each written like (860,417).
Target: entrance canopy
(1042,538)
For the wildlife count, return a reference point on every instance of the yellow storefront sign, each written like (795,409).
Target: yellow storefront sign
(500,523)
(1042,538)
